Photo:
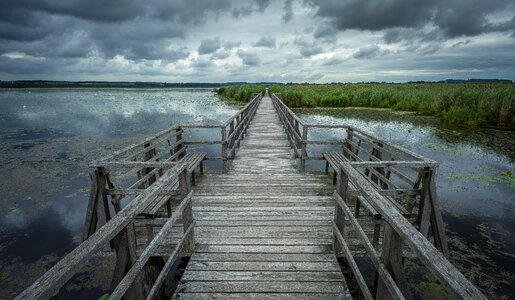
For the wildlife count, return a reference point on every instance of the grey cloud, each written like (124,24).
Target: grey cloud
(253,6)
(155,52)
(138,30)
(307,49)
(367,52)
(332,61)
(452,17)
(202,62)
(209,46)
(248,58)
(325,31)
(231,44)
(461,43)
(288,11)
(221,54)
(262,4)
(267,42)
(310,51)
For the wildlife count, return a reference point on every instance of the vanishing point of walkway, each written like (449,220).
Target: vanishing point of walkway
(263,229)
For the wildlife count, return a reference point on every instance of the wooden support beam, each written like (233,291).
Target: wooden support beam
(391,257)
(342,186)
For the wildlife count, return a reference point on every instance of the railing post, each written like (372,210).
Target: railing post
(304,152)
(424,210)
(148,155)
(232,143)
(429,211)
(187,215)
(339,216)
(239,120)
(98,205)
(126,256)
(179,143)
(348,145)
(224,150)
(391,257)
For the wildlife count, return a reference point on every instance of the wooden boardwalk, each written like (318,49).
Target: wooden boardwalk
(263,229)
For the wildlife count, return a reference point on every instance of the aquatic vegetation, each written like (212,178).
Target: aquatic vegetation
(482,104)
(240,93)
(432,290)
(505,177)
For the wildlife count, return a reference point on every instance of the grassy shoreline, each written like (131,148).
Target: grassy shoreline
(481,104)
(240,93)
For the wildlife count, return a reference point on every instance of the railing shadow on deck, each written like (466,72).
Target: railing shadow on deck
(396,189)
(154,177)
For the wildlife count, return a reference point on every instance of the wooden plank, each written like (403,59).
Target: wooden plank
(263,296)
(259,287)
(257,276)
(250,257)
(301,266)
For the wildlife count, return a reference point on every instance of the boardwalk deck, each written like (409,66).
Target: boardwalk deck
(263,229)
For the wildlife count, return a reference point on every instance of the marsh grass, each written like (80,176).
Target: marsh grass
(240,93)
(482,104)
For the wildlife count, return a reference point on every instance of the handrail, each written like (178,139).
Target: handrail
(298,134)
(231,131)
(137,267)
(62,271)
(403,230)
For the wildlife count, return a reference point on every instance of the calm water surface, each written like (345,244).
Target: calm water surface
(49,136)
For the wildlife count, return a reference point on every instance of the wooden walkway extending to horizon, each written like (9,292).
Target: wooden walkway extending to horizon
(266,227)
(263,228)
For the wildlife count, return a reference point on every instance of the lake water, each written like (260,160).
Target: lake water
(48,137)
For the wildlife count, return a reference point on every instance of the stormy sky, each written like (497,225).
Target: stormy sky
(257,40)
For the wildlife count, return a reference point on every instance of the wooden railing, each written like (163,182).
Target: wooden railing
(405,178)
(119,230)
(352,139)
(396,188)
(231,132)
(398,232)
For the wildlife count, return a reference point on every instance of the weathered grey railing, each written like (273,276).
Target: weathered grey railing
(398,232)
(231,132)
(410,189)
(396,189)
(119,230)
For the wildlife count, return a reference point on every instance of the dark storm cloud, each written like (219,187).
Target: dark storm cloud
(139,30)
(209,46)
(453,17)
(267,42)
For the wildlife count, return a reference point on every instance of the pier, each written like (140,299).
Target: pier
(265,227)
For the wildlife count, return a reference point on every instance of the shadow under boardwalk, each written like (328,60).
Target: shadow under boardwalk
(263,229)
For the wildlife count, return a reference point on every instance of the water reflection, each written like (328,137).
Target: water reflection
(48,137)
